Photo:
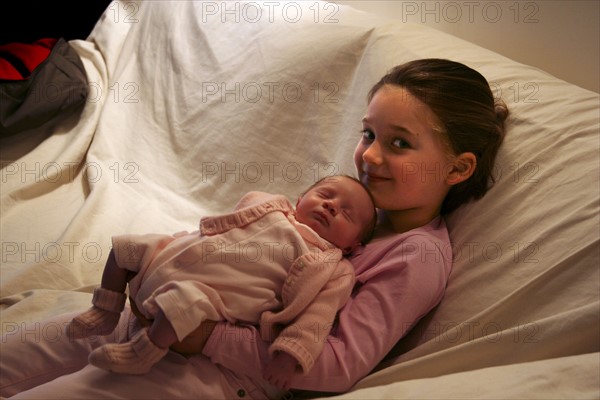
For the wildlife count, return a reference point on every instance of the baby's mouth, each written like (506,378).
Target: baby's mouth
(321,217)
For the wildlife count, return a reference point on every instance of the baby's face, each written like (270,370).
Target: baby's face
(339,209)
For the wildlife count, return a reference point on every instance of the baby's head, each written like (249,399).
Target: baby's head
(340,209)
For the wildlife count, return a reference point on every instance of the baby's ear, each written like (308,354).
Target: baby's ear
(462,167)
(349,249)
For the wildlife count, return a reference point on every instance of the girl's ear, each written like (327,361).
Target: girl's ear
(461,168)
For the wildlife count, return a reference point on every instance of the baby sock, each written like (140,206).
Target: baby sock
(135,357)
(102,318)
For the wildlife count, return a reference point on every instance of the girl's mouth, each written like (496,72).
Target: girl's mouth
(371,177)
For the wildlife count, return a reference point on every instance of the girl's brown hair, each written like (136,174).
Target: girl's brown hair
(472,120)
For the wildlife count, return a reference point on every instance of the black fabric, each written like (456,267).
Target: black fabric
(57,88)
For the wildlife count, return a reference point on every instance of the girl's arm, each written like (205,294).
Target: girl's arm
(402,288)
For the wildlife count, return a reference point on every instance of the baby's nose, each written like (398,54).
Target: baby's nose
(331,207)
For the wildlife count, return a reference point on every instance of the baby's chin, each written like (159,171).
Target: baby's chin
(326,237)
(319,229)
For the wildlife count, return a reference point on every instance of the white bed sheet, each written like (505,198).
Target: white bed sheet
(189,108)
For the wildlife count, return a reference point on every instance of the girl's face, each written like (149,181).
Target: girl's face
(401,159)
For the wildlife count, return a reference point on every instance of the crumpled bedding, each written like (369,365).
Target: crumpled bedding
(189,107)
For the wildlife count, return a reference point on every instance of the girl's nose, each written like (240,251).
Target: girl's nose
(372,155)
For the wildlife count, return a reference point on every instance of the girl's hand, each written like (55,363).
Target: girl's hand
(279,370)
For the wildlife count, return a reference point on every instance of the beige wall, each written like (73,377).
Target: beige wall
(559,37)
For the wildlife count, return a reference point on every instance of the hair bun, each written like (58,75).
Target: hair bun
(501,111)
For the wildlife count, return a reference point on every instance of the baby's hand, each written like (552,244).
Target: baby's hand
(280,369)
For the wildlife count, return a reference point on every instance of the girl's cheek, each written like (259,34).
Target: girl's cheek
(358,153)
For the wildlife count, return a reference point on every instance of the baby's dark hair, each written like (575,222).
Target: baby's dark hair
(369,230)
(472,120)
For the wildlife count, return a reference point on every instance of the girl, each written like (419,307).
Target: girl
(430,136)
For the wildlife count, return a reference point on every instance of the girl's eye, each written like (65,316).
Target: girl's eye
(368,135)
(400,143)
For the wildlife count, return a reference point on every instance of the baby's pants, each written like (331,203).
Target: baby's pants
(38,361)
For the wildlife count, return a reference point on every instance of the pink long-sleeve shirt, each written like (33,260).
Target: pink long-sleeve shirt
(399,279)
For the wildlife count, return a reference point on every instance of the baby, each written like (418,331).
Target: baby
(265,263)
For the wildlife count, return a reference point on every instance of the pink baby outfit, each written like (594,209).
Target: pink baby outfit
(255,265)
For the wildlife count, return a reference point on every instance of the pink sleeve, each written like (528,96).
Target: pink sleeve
(402,288)
(305,337)
(134,252)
